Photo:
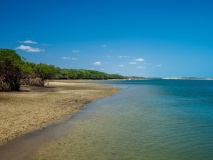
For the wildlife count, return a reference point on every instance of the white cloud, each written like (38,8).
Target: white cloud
(104,46)
(75,51)
(35,50)
(159,65)
(69,58)
(66,58)
(29,49)
(23,47)
(97,63)
(132,62)
(139,60)
(120,65)
(123,56)
(29,42)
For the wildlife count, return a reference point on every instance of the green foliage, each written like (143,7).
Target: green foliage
(29,68)
(14,69)
(10,70)
(84,74)
(45,71)
(8,55)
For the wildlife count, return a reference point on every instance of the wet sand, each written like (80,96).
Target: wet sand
(37,107)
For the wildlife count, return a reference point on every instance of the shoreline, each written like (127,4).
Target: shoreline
(34,108)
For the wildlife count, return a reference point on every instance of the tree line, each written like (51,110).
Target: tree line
(15,71)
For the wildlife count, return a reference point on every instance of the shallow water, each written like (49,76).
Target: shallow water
(153,119)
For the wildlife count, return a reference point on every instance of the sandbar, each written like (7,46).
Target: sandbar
(34,108)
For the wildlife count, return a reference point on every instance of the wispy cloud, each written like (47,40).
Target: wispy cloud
(29,49)
(66,58)
(97,63)
(28,42)
(75,51)
(104,45)
(132,62)
(123,56)
(139,60)
(158,65)
(121,65)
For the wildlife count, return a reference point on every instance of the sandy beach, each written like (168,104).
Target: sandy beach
(36,107)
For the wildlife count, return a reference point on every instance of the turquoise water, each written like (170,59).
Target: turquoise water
(147,120)
(160,119)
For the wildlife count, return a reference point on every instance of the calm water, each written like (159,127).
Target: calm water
(147,120)
(154,119)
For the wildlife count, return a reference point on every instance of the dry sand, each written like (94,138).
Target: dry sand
(37,107)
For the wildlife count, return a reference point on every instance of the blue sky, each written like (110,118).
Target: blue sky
(150,38)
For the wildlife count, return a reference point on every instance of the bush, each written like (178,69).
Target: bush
(4,87)
(33,81)
(10,70)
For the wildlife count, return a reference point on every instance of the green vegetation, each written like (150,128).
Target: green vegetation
(84,74)
(15,70)
(10,70)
